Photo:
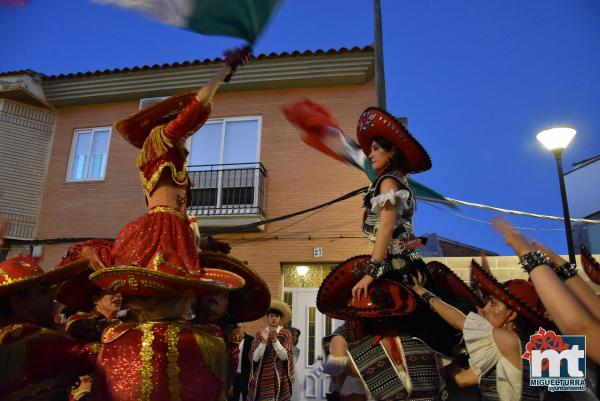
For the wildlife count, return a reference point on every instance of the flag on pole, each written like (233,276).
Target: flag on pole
(321,131)
(243,19)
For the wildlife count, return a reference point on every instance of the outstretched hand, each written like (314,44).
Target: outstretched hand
(512,237)
(419,281)
(236,58)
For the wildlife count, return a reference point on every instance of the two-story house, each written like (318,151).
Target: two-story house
(67,175)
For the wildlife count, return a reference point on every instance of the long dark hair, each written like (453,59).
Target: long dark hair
(397,162)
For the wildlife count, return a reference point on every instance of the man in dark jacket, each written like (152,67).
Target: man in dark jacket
(240,379)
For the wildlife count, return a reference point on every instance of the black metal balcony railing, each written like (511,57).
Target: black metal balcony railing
(227,189)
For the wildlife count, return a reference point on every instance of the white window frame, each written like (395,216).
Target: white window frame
(147,99)
(72,153)
(224,121)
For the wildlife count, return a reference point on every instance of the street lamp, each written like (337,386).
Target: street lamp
(556,140)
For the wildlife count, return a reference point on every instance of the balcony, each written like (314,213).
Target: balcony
(225,195)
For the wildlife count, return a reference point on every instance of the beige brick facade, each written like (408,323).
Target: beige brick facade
(297,178)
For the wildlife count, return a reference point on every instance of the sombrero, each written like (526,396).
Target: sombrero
(77,292)
(20,272)
(136,127)
(443,276)
(385,298)
(518,294)
(283,308)
(165,276)
(375,122)
(590,265)
(249,303)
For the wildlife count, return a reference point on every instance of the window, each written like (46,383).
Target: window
(149,101)
(89,153)
(223,164)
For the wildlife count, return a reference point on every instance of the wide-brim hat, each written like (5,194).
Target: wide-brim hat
(518,294)
(78,291)
(21,272)
(590,265)
(143,282)
(283,308)
(136,127)
(252,301)
(374,122)
(443,276)
(165,277)
(385,298)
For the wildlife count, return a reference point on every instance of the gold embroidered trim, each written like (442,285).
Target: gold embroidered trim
(95,348)
(214,354)
(167,209)
(155,145)
(173,361)
(159,259)
(179,177)
(146,354)
(8,280)
(14,329)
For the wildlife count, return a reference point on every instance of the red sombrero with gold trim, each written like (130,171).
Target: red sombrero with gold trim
(23,271)
(375,122)
(252,301)
(444,276)
(136,127)
(590,265)
(78,291)
(518,294)
(385,298)
(165,277)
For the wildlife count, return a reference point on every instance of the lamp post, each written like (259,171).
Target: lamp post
(556,140)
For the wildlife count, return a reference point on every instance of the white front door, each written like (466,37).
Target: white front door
(311,382)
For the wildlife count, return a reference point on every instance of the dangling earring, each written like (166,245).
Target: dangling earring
(509,326)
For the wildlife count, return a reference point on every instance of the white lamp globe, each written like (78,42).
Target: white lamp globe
(556,138)
(302,270)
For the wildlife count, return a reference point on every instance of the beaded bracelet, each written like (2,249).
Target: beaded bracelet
(531,260)
(566,271)
(426,298)
(377,268)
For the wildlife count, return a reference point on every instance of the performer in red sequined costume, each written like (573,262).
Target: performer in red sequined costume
(160,131)
(158,355)
(37,362)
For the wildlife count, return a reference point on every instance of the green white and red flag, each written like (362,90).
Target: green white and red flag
(244,19)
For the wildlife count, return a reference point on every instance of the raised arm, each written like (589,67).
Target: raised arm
(568,313)
(197,111)
(578,287)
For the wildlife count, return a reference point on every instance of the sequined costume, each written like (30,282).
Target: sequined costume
(40,363)
(272,378)
(157,361)
(86,327)
(163,152)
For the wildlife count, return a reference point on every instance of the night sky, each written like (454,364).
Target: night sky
(476,79)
